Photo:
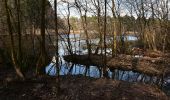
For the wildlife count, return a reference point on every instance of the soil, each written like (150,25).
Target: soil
(74,88)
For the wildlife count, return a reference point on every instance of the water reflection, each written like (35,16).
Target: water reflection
(76,70)
(93,71)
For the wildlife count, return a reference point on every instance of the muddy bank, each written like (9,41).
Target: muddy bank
(79,88)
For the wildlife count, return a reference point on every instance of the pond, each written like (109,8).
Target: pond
(93,71)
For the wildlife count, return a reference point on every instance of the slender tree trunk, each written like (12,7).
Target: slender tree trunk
(69,28)
(84,25)
(19,31)
(114,47)
(13,56)
(43,58)
(43,26)
(105,73)
(57,54)
(86,33)
(99,26)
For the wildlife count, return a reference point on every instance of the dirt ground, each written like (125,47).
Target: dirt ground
(74,88)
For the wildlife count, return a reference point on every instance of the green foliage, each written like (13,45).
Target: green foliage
(128,22)
(74,22)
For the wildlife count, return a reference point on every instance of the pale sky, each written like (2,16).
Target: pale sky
(62,9)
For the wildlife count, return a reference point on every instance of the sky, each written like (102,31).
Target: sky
(62,10)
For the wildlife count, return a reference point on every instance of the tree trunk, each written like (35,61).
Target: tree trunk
(99,27)
(57,54)
(114,47)
(84,24)
(17,2)
(105,73)
(43,58)
(13,56)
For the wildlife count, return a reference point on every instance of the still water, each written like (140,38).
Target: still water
(93,71)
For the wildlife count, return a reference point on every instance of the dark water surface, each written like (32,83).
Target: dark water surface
(93,71)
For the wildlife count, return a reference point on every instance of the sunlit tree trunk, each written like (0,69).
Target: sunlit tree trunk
(152,22)
(114,46)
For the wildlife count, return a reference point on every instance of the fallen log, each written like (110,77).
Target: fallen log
(146,65)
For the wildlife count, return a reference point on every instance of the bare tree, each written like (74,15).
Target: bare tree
(99,24)
(79,6)
(43,58)
(13,53)
(105,73)
(57,54)
(114,47)
(17,3)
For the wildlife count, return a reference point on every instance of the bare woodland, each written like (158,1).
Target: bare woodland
(31,32)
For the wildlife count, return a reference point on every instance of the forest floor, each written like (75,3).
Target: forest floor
(73,88)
